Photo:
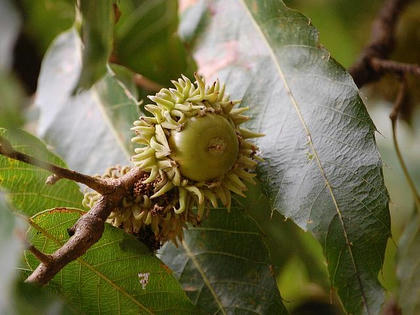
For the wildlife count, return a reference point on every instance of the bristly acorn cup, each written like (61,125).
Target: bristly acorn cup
(193,148)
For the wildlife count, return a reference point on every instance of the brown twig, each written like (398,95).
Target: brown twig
(146,83)
(98,184)
(86,232)
(44,258)
(381,44)
(391,307)
(382,66)
(399,103)
(89,228)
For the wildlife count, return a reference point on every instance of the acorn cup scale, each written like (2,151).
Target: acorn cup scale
(194,155)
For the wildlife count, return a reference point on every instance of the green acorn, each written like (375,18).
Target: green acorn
(193,142)
(193,153)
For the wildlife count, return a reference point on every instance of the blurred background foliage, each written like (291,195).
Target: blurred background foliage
(146,43)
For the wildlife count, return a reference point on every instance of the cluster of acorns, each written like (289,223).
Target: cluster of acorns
(193,152)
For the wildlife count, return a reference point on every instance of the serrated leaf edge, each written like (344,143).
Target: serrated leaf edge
(314,151)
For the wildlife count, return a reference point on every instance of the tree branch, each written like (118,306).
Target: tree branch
(146,83)
(381,66)
(86,231)
(381,45)
(100,185)
(40,255)
(89,228)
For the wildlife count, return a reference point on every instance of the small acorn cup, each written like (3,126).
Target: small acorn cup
(192,149)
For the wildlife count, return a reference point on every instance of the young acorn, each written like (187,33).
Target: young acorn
(193,150)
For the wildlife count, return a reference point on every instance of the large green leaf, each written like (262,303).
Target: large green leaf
(146,40)
(11,247)
(224,265)
(91,130)
(408,268)
(84,126)
(322,168)
(25,183)
(97,30)
(118,275)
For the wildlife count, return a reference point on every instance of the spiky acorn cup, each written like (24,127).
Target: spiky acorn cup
(194,143)
(194,153)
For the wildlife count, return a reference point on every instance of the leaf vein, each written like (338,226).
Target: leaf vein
(203,276)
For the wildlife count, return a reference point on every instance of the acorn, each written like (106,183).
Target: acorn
(194,155)
(194,142)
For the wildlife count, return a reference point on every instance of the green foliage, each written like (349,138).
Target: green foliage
(11,101)
(66,44)
(328,179)
(224,265)
(103,114)
(321,171)
(285,240)
(118,275)
(26,183)
(97,29)
(45,19)
(146,40)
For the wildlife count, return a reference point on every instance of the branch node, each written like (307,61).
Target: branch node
(382,42)
(100,185)
(87,230)
(43,258)
(399,101)
(71,231)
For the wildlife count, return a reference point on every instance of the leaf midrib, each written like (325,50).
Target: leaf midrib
(311,144)
(108,121)
(203,276)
